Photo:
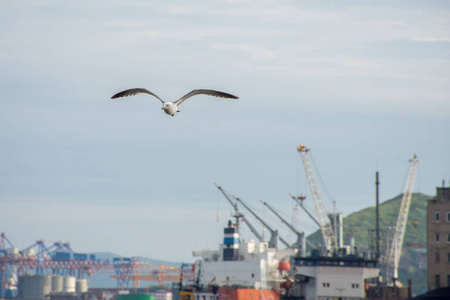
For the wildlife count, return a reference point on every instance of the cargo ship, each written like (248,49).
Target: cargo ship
(238,270)
(254,271)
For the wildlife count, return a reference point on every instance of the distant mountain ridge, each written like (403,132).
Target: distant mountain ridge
(156,262)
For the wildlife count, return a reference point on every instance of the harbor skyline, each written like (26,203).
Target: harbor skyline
(365,86)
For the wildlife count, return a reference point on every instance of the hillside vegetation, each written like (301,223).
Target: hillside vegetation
(359,223)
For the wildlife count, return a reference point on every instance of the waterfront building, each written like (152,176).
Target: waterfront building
(438,239)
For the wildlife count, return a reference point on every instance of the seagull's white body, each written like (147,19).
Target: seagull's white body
(169,107)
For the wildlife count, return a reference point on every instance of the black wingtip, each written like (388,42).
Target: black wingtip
(226,95)
(232,96)
(121,94)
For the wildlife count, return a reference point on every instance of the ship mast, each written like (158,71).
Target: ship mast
(238,214)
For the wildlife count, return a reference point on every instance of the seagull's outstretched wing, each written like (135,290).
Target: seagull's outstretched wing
(132,92)
(205,92)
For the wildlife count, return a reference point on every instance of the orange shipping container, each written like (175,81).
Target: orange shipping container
(247,294)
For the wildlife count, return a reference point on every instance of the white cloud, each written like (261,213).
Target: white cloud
(291,14)
(255,51)
(181,10)
(125,24)
(431,39)
(184,34)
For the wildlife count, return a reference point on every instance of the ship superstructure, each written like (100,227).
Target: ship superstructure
(250,264)
(322,277)
(254,266)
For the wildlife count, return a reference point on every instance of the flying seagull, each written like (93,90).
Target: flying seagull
(171,108)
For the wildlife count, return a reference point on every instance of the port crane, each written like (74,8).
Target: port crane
(299,200)
(60,247)
(238,214)
(395,252)
(59,259)
(301,241)
(294,216)
(328,234)
(274,236)
(131,269)
(4,242)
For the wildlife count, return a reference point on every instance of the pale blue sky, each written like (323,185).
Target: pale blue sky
(364,84)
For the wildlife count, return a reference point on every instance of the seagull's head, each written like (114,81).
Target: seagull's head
(170,108)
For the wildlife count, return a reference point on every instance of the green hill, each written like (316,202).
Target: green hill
(359,223)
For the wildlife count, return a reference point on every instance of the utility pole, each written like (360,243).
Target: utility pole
(377,199)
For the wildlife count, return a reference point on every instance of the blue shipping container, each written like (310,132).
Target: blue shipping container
(11,293)
(63,256)
(121,259)
(80,256)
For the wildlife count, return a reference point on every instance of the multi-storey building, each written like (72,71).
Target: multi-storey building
(438,239)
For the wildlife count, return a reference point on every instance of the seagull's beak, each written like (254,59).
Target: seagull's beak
(162,107)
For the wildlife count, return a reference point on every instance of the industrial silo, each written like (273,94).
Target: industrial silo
(69,284)
(82,286)
(34,287)
(57,283)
